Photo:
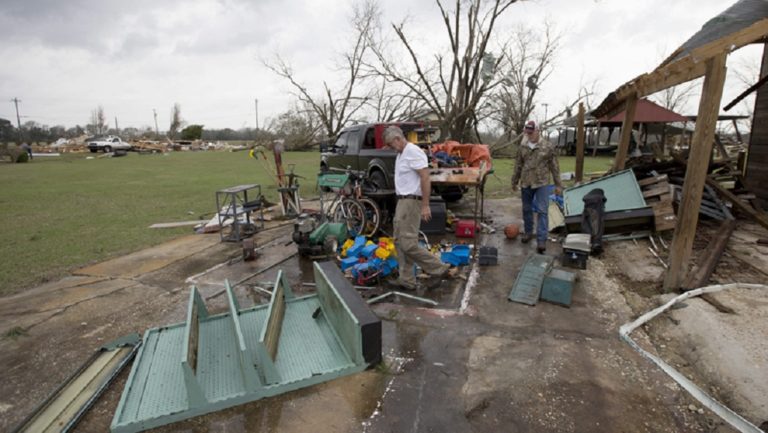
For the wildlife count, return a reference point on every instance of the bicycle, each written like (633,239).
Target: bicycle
(361,214)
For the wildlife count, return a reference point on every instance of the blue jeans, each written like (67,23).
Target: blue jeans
(535,199)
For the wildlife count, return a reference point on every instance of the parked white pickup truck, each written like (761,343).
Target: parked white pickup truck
(108,144)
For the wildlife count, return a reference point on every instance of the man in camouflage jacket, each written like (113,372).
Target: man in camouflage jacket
(536,160)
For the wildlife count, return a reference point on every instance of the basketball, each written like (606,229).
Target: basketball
(511,231)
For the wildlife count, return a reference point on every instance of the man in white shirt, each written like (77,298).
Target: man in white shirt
(412,186)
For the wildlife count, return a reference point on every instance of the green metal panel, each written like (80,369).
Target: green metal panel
(342,321)
(528,283)
(332,180)
(310,351)
(621,192)
(558,287)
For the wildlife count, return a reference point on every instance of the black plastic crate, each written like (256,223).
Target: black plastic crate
(488,256)
(576,259)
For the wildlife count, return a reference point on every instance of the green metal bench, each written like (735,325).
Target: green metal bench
(212,362)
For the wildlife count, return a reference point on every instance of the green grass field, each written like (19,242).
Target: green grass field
(61,213)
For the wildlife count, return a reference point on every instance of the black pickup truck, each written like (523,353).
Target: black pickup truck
(361,149)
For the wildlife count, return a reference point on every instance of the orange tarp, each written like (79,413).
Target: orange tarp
(472,154)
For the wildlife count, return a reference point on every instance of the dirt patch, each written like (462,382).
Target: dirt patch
(723,353)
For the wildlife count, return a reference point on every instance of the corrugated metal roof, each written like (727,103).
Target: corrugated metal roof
(740,15)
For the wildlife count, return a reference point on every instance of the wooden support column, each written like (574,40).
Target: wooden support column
(580,144)
(626,133)
(696,173)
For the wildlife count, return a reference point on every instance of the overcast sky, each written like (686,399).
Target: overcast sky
(63,58)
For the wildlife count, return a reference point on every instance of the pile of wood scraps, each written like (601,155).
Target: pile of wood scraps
(658,194)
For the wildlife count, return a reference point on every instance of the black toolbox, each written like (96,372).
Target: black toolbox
(435,226)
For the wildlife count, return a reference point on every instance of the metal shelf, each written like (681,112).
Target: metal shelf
(234,203)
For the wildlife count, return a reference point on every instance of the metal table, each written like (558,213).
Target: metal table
(234,203)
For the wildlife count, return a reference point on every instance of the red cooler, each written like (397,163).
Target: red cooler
(465,229)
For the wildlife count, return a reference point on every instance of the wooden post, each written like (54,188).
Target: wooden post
(580,144)
(696,173)
(626,133)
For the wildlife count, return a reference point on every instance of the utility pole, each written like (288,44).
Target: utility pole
(117,128)
(157,130)
(18,118)
(257,113)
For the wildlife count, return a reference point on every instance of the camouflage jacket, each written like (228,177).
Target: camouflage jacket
(533,166)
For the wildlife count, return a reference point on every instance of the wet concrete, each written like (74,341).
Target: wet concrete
(475,363)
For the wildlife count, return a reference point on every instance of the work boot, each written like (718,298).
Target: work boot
(526,237)
(541,249)
(434,280)
(398,284)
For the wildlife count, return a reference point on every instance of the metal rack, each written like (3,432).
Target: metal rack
(234,203)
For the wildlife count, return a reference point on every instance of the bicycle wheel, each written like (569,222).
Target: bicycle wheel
(352,213)
(372,216)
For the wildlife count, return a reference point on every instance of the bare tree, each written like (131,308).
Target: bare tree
(298,127)
(176,121)
(528,64)
(335,108)
(98,121)
(454,85)
(676,98)
(390,103)
(747,73)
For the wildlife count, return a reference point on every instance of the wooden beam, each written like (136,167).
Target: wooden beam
(711,256)
(759,216)
(673,72)
(580,144)
(696,173)
(626,134)
(670,76)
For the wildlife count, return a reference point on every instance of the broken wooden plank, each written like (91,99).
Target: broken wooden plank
(175,224)
(656,191)
(712,254)
(759,216)
(653,180)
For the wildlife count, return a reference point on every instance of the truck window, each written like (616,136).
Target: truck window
(370,139)
(115,140)
(342,140)
(353,142)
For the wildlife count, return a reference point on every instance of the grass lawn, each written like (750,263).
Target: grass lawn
(62,213)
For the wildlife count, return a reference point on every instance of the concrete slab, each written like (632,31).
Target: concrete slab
(489,365)
(151,259)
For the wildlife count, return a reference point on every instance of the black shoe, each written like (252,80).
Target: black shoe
(541,249)
(399,285)
(526,237)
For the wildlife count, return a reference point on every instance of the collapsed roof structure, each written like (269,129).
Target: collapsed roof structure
(704,54)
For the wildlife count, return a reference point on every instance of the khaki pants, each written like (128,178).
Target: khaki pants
(407,220)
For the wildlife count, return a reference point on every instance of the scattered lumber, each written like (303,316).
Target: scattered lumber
(175,224)
(759,216)
(700,276)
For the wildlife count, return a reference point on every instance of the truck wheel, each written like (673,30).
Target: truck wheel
(377,178)
(107,149)
(93,150)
